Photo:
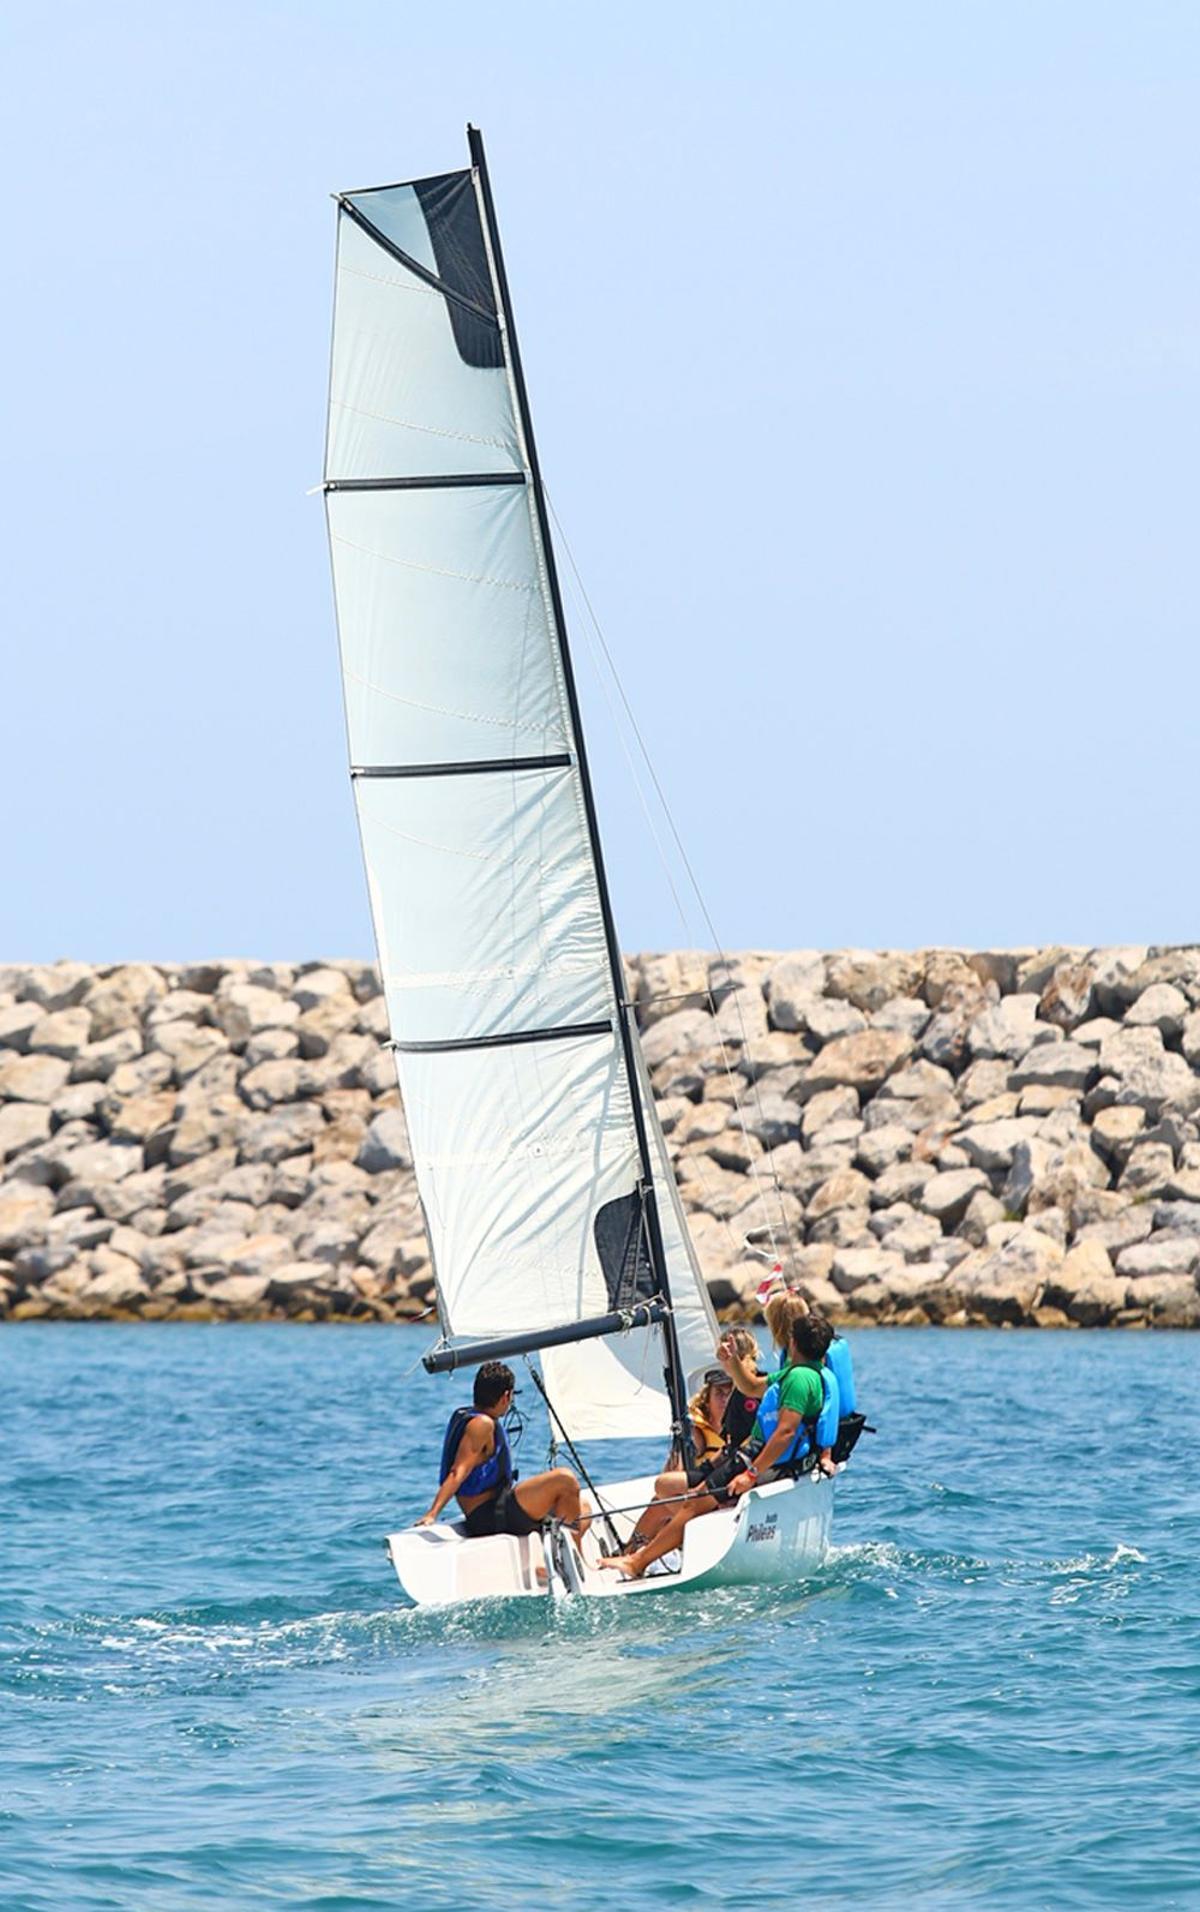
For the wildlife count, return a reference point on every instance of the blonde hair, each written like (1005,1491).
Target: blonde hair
(781,1312)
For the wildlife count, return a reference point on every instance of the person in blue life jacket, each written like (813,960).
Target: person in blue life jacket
(799,1409)
(477,1468)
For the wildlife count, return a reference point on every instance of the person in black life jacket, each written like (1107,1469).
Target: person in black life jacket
(477,1467)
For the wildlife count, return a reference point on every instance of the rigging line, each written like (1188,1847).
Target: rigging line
(692,878)
(569,1444)
(607,695)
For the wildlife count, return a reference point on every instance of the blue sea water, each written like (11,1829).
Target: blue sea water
(213,1694)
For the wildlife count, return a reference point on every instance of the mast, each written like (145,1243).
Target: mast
(674,1376)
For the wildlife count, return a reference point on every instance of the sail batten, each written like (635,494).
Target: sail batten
(516,1057)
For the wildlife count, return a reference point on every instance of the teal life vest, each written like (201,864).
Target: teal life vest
(839,1362)
(813,1435)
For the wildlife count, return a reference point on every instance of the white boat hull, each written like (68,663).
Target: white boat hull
(776,1533)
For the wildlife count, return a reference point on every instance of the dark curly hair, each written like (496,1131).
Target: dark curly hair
(811,1338)
(492,1382)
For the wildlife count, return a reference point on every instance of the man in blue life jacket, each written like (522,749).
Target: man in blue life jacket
(477,1467)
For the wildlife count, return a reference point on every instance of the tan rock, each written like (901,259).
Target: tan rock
(846,1189)
(32,1078)
(870,978)
(63,1032)
(862,1061)
(122,998)
(21,1125)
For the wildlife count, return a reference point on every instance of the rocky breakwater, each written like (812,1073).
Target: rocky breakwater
(944,1136)
(217,1139)
(950,1137)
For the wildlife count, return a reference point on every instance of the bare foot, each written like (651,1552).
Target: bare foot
(622,1563)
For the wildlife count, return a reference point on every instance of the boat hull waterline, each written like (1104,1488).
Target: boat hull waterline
(776,1533)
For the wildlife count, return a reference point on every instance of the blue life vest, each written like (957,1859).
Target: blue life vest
(824,1426)
(838,1359)
(490,1475)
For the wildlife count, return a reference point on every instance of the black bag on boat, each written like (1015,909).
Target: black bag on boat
(849,1428)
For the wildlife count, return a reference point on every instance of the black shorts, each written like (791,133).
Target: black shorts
(502,1514)
(715,1476)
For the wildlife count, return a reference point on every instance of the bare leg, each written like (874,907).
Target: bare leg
(634,1565)
(556,1495)
(666,1488)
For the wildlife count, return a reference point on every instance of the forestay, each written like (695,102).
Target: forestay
(485,884)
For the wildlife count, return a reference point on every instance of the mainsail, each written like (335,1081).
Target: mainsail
(547,1189)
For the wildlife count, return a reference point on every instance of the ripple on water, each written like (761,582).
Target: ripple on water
(214,1694)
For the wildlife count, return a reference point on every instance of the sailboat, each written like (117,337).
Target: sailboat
(553,1218)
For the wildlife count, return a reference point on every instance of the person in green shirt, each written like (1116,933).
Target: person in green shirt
(801,1397)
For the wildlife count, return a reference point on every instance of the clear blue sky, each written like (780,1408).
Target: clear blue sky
(864,353)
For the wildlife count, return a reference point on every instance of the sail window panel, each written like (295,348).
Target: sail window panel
(516,1149)
(397,213)
(447,651)
(485,904)
(404,401)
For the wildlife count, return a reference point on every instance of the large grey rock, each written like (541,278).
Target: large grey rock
(240,1010)
(386,1144)
(1058,1065)
(792,985)
(901,1182)
(1150,1169)
(18,1020)
(61,1032)
(828,1019)
(685,1032)
(1148,1074)
(1161,1255)
(773,1121)
(56,985)
(1181,1218)
(1163,1007)
(664,984)
(1004,1285)
(990,1145)
(878,1148)
(1112,973)
(853,1267)
(288,1130)
(1007,1030)
(99,1060)
(946,1196)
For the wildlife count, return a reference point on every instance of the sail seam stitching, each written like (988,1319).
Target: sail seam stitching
(447,710)
(433,570)
(410,425)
